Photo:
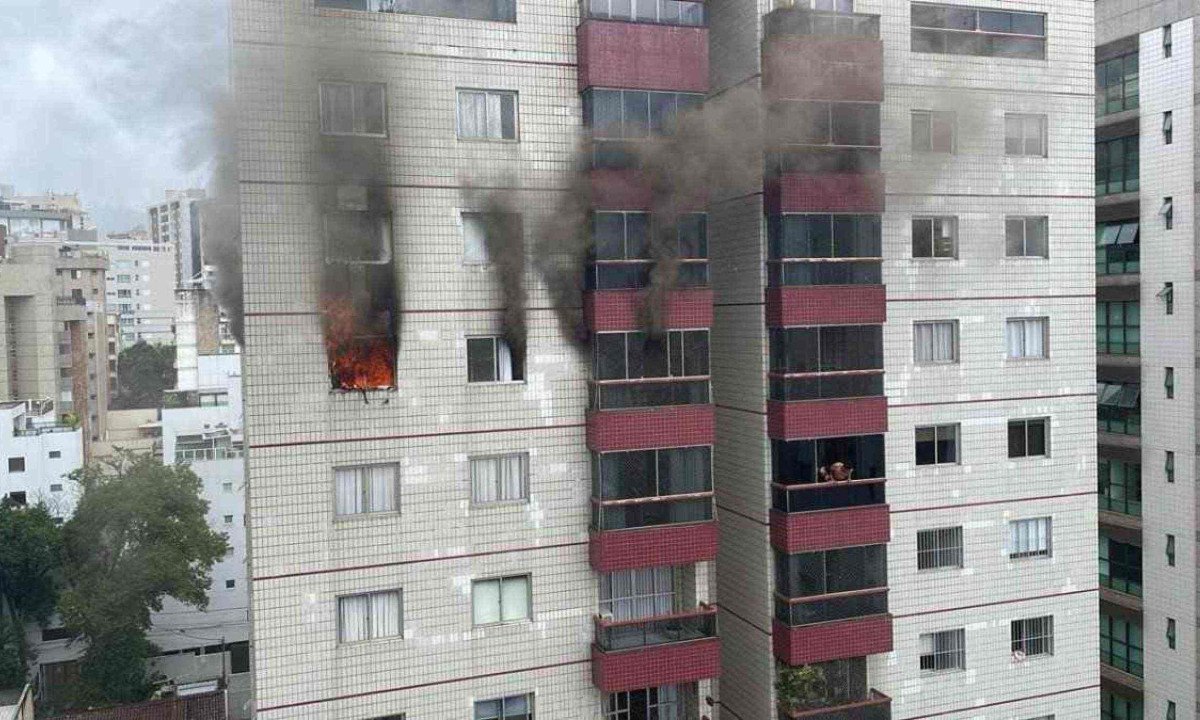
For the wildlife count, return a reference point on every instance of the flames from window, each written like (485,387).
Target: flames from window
(358,319)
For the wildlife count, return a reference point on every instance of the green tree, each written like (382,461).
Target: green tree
(800,688)
(139,535)
(30,558)
(143,372)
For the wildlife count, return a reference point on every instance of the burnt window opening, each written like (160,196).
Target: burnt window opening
(491,359)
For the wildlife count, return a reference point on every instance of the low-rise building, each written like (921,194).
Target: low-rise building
(37,453)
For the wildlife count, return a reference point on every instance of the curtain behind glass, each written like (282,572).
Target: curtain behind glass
(353,617)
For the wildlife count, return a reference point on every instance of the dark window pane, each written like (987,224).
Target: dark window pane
(637,114)
(610,356)
(1036,437)
(1016,439)
(608,230)
(481,360)
(947,443)
(926,446)
(695,352)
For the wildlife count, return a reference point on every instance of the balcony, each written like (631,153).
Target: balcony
(822,55)
(645,414)
(649,652)
(621,309)
(642,56)
(827,304)
(814,192)
(652,533)
(875,706)
(791,420)
(811,517)
(833,639)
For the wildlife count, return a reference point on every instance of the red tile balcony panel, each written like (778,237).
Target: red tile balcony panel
(650,428)
(627,189)
(826,192)
(828,529)
(823,68)
(826,418)
(826,305)
(656,546)
(666,650)
(642,56)
(832,640)
(621,310)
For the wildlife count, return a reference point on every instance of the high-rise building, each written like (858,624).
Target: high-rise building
(141,287)
(176,221)
(869,367)
(1146,357)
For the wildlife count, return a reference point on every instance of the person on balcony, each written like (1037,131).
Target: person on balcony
(837,472)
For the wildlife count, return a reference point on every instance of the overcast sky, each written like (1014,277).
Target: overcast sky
(109,98)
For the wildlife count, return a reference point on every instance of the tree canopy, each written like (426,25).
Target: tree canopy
(30,557)
(143,372)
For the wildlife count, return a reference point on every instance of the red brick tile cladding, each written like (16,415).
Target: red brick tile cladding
(832,640)
(826,305)
(827,529)
(611,310)
(624,189)
(835,68)
(829,192)
(671,664)
(209,706)
(612,550)
(826,418)
(650,428)
(642,56)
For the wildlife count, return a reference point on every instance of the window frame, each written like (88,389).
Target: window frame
(474,217)
(353,85)
(487,93)
(929,119)
(399,592)
(958,655)
(954,340)
(345,517)
(530,698)
(975,30)
(937,442)
(939,551)
(1169,549)
(524,499)
(1026,221)
(528,577)
(1129,166)
(1044,321)
(1016,554)
(1038,121)
(950,221)
(516,369)
(1027,424)
(1023,635)
(1168,127)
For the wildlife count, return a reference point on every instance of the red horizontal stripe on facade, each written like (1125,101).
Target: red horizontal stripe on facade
(414,436)
(630,548)
(1003,501)
(998,602)
(975,708)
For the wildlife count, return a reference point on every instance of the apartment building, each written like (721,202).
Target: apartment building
(141,287)
(1146,344)
(852,451)
(38,451)
(176,222)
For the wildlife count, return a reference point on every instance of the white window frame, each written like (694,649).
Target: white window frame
(944,548)
(653,589)
(354,120)
(954,343)
(500,581)
(523,493)
(668,703)
(367,490)
(931,117)
(1024,323)
(529,706)
(957,654)
(1025,221)
(498,342)
(1027,121)
(1020,540)
(467,220)
(489,93)
(371,636)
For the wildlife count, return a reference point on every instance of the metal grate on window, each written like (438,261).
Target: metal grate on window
(1033,636)
(940,548)
(945,650)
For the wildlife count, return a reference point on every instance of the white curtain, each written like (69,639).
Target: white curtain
(484,482)
(1027,338)
(472,114)
(640,593)
(512,477)
(354,617)
(497,479)
(382,488)
(385,614)
(485,602)
(514,599)
(505,361)
(934,342)
(474,240)
(1031,536)
(365,489)
(349,490)
(493,115)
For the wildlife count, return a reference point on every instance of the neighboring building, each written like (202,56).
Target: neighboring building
(39,217)
(141,287)
(55,331)
(176,222)
(37,453)
(138,430)
(1146,264)
(446,523)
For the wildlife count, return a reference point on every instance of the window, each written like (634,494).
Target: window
(56,487)
(17,498)
(935,342)
(1170,550)
(499,10)
(500,600)
(1170,709)
(1171,633)
(1117,84)
(1118,328)
(1169,465)
(935,237)
(1121,643)
(370,616)
(1118,707)
(1120,566)
(1169,382)
(660,702)
(940,548)
(1168,295)
(124,294)
(1029,538)
(937,445)
(491,359)
(1024,135)
(16,464)
(646,474)
(230,584)
(812,249)
(945,650)
(640,593)
(501,478)
(933,131)
(1168,212)
(227,487)
(55,454)
(1033,636)
(357,236)
(634,114)
(957,30)
(366,489)
(228,519)
(1168,127)
(831,572)
(666,12)
(636,355)
(1028,438)
(1027,337)
(816,122)
(1121,486)
(1166,41)
(353,109)
(513,707)
(474,228)
(487,115)
(1027,236)
(1117,165)
(622,256)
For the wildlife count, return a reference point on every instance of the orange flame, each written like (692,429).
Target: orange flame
(360,350)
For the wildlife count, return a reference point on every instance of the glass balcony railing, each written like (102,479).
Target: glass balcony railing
(810,497)
(826,386)
(824,271)
(613,635)
(648,392)
(651,511)
(803,21)
(635,274)
(796,612)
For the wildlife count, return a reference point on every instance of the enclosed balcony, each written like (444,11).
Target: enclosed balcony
(662,650)
(813,54)
(824,179)
(642,55)
(834,690)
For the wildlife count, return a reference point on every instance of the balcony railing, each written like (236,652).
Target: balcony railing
(613,635)
(652,511)
(824,160)
(824,271)
(809,497)
(802,21)
(648,392)
(827,385)
(662,12)
(795,612)
(634,274)
(35,430)
(876,706)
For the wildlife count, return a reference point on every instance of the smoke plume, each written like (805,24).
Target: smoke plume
(504,234)
(222,219)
